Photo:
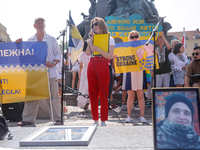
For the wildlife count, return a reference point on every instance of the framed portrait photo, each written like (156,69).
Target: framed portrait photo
(60,136)
(176,116)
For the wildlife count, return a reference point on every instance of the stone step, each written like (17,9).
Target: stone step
(69,96)
(70,99)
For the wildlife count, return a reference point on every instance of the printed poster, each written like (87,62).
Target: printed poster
(134,56)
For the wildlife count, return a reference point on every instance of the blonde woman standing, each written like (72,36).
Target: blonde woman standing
(134,84)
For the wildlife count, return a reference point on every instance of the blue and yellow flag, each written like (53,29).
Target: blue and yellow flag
(23,74)
(134,56)
(75,41)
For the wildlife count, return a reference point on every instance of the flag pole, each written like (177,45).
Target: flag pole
(69,57)
(153,34)
(52,118)
(184,38)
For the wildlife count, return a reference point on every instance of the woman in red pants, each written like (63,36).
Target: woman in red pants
(98,72)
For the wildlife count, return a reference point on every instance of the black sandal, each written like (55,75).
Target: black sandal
(24,123)
(58,122)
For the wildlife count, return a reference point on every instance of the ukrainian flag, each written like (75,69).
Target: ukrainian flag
(75,41)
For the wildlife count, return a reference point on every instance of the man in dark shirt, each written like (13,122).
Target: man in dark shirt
(193,68)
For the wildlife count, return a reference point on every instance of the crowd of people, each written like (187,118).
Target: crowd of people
(171,73)
(96,74)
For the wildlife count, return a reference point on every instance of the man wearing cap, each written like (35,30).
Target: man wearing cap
(53,57)
(193,68)
(177,131)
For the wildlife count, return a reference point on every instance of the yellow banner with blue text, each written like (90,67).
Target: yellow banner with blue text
(134,56)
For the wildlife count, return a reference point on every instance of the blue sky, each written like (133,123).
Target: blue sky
(18,15)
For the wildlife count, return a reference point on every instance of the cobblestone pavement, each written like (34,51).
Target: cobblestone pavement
(115,118)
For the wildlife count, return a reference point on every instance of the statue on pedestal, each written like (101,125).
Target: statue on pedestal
(125,8)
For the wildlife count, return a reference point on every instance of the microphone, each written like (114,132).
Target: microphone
(94,31)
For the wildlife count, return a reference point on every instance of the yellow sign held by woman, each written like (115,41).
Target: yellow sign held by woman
(134,56)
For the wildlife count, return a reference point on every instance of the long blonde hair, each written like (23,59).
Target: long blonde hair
(102,25)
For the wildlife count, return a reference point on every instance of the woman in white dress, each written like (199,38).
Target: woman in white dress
(83,87)
(134,84)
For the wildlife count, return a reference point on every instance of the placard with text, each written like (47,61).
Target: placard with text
(23,74)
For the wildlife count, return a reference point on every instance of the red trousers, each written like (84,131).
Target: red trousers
(98,78)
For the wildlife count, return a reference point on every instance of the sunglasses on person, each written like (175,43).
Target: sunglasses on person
(195,54)
(132,37)
(95,24)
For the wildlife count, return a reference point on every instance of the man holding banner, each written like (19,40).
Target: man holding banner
(53,57)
